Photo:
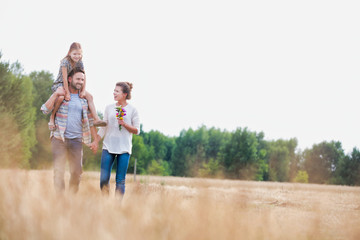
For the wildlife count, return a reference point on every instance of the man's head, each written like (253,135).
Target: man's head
(76,78)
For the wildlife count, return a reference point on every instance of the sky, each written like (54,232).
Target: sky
(289,69)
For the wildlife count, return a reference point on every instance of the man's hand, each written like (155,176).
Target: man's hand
(94,146)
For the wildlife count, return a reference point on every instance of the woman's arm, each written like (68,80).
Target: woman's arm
(134,128)
(128,127)
(102,130)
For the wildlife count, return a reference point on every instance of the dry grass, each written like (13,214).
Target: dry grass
(175,208)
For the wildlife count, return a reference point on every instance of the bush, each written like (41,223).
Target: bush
(160,168)
(302,177)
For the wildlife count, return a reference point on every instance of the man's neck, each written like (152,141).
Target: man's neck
(73,90)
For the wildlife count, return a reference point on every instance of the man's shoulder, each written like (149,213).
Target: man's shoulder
(84,102)
(66,103)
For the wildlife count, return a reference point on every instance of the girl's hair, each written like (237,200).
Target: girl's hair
(73,46)
(126,87)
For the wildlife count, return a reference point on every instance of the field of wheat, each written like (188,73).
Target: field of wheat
(175,208)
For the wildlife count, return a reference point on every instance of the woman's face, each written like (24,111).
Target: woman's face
(75,55)
(118,94)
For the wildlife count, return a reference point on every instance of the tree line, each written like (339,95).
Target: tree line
(202,152)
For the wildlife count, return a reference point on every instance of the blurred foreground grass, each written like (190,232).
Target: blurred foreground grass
(175,208)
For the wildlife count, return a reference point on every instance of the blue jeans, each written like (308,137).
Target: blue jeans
(70,150)
(107,162)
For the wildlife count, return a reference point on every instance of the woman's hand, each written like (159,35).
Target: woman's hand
(128,127)
(94,146)
(122,122)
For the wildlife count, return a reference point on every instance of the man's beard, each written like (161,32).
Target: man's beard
(76,86)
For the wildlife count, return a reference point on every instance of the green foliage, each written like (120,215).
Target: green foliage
(160,168)
(42,156)
(302,177)
(184,148)
(9,148)
(240,156)
(262,170)
(210,169)
(348,171)
(280,154)
(203,152)
(42,82)
(322,160)
(16,101)
(140,152)
(192,149)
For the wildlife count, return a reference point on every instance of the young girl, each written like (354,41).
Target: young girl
(60,87)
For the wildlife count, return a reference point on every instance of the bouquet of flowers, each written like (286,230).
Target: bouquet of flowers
(120,114)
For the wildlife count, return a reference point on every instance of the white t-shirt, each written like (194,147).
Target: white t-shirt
(116,141)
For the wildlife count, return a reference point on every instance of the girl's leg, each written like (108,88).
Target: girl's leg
(59,100)
(122,166)
(50,103)
(107,162)
(97,121)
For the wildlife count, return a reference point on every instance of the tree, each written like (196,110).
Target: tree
(160,168)
(240,156)
(41,156)
(262,173)
(162,145)
(9,147)
(301,177)
(280,154)
(216,141)
(349,169)
(16,101)
(322,160)
(182,151)
(210,169)
(42,82)
(140,152)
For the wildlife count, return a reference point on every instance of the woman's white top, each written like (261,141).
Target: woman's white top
(119,141)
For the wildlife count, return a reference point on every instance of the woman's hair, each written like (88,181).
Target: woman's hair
(73,46)
(126,87)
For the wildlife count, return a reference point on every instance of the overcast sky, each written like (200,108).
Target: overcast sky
(287,68)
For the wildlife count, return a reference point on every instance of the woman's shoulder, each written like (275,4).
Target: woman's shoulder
(131,107)
(112,105)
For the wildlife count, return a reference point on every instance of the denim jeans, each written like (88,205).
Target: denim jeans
(70,150)
(107,162)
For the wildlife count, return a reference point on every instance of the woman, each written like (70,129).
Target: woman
(118,133)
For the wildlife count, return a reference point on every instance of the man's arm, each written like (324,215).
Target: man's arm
(95,141)
(94,145)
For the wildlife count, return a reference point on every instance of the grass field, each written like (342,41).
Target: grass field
(175,208)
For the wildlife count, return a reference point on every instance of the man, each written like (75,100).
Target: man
(74,127)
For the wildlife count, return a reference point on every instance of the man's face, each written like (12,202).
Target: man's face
(77,81)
